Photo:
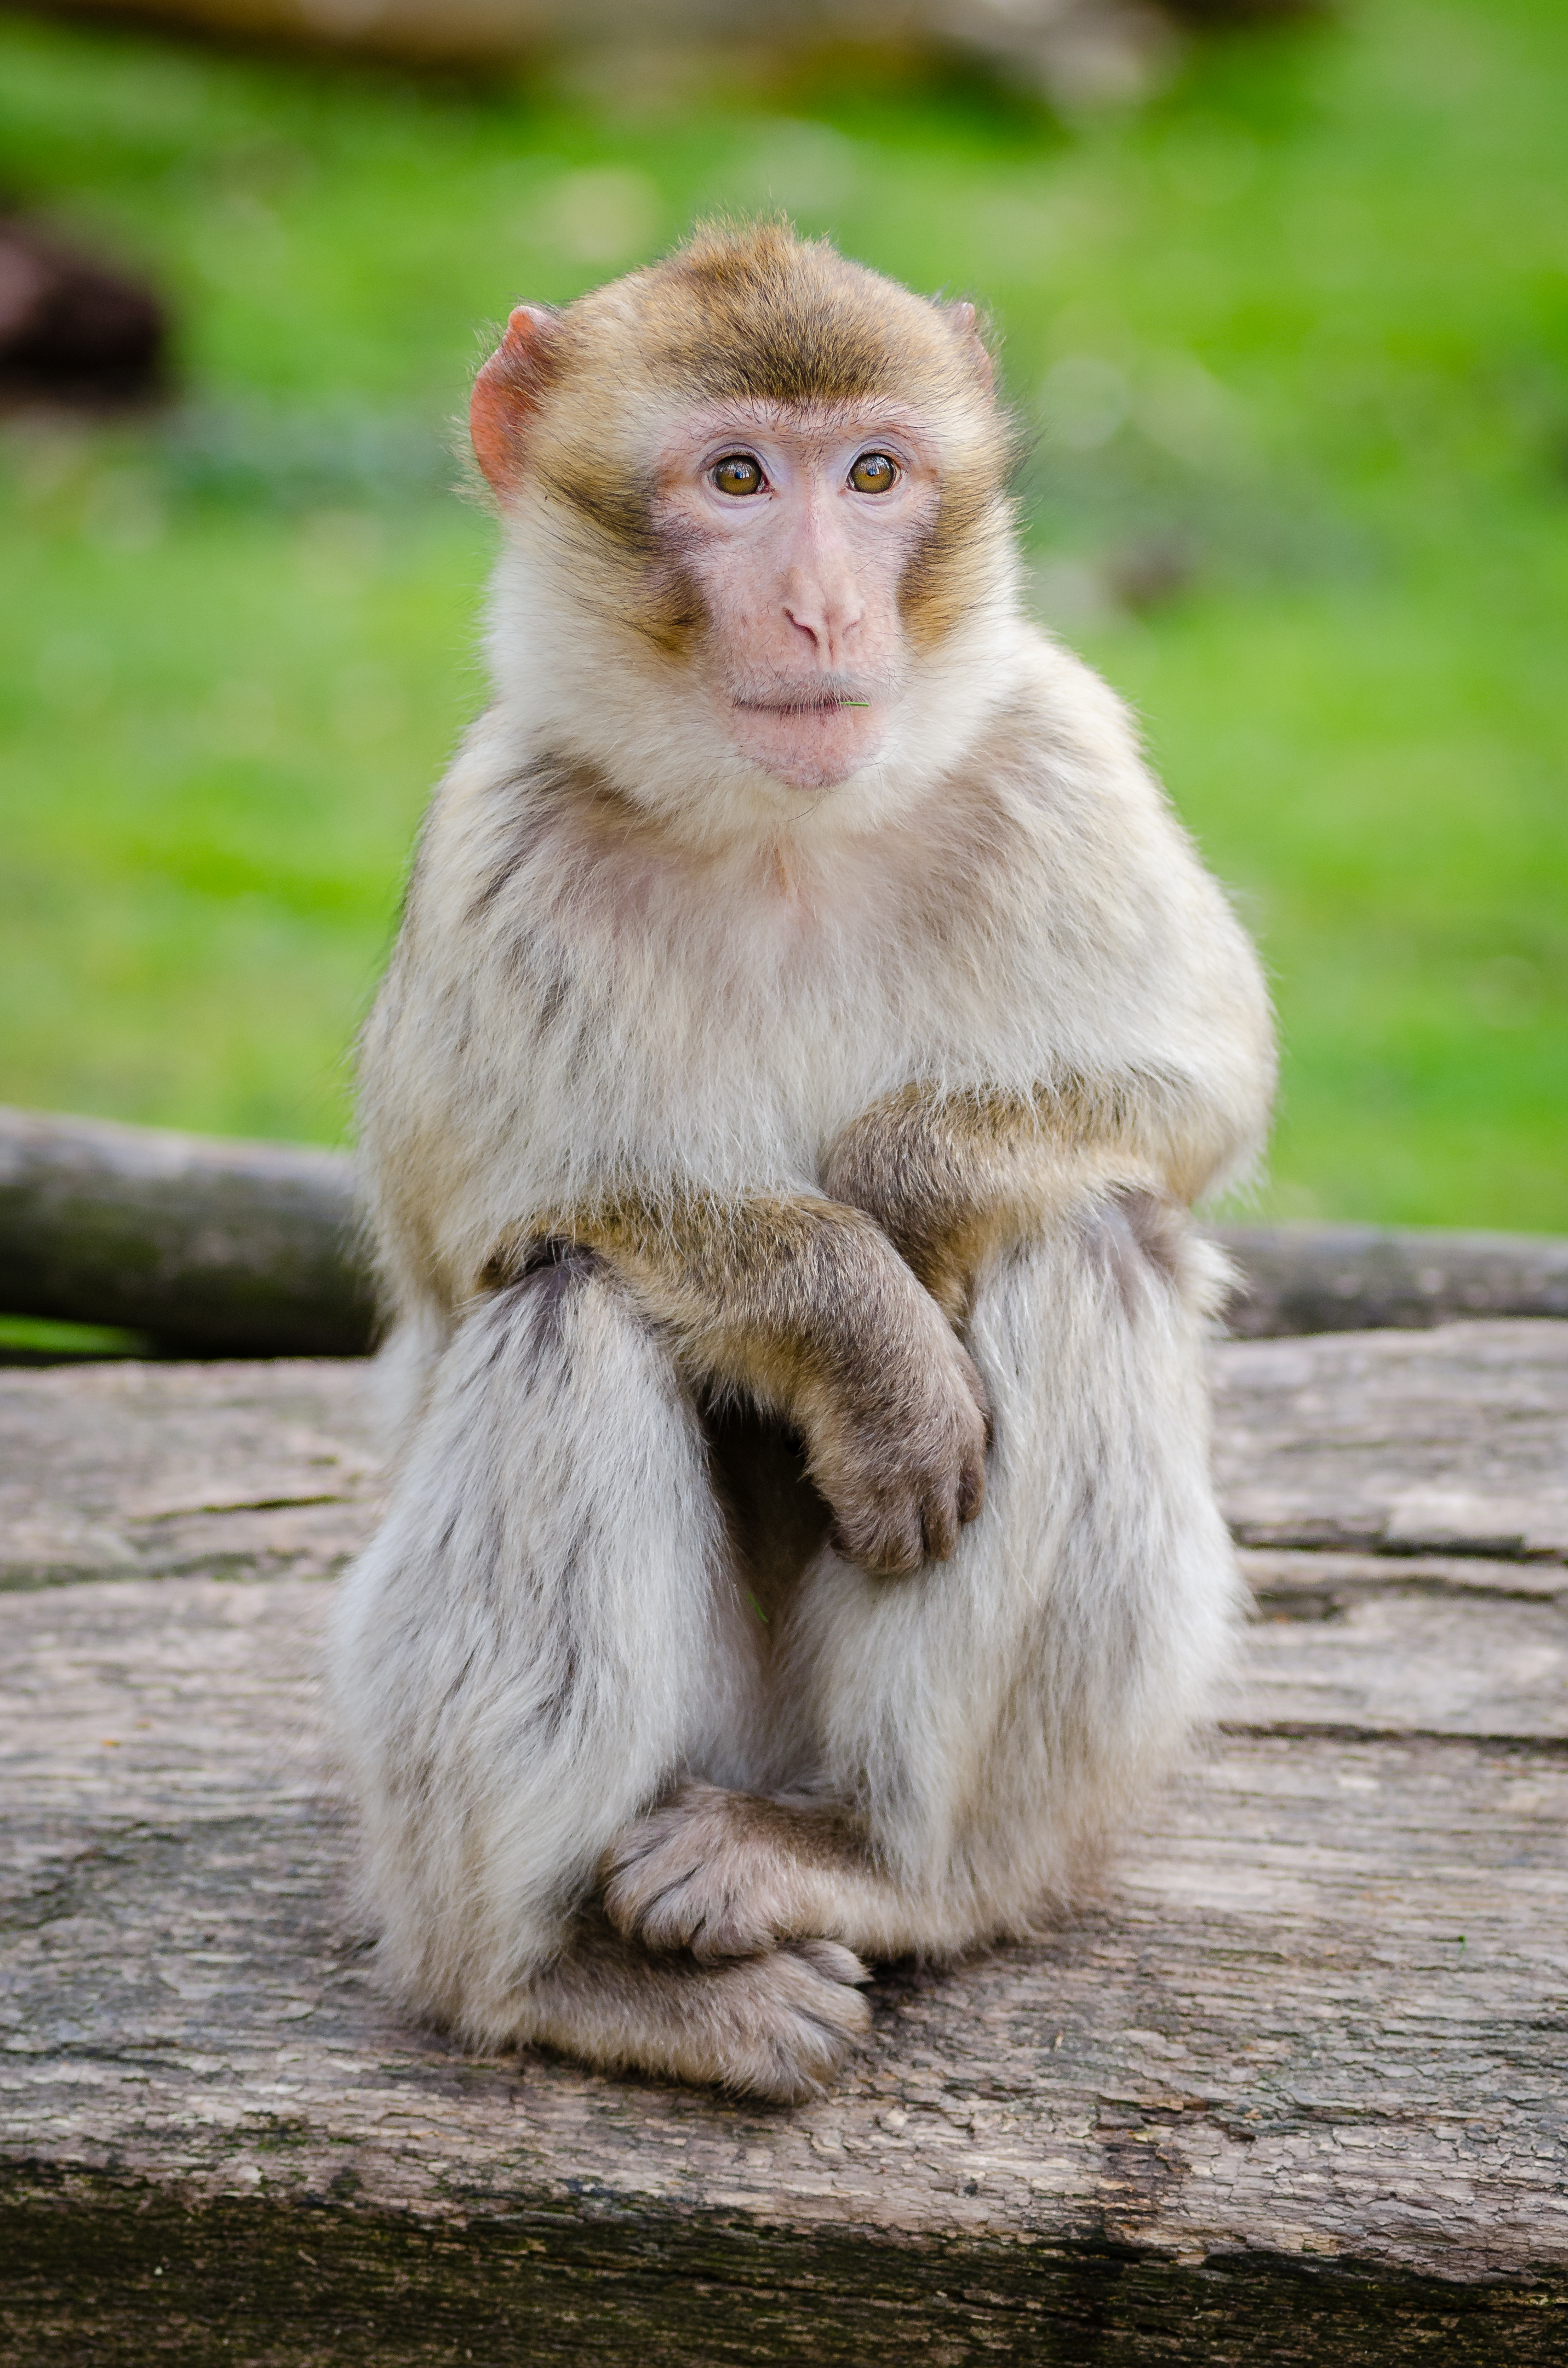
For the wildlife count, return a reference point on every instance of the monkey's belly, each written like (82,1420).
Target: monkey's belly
(778,1517)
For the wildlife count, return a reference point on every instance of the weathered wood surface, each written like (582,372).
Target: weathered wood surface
(1295,2090)
(225,1248)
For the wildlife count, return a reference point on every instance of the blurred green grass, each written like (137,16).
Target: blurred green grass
(1295,339)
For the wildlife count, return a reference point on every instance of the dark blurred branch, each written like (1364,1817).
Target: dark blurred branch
(250,1250)
(1087,49)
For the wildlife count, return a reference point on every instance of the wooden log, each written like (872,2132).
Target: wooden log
(1294,2089)
(1360,1278)
(227,1248)
(1029,39)
(217,1249)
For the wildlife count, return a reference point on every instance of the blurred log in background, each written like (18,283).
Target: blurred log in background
(1074,52)
(213,1248)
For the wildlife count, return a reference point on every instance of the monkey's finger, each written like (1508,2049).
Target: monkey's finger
(904,1549)
(941,1523)
(834,1960)
(883,1542)
(972,1488)
(977,1391)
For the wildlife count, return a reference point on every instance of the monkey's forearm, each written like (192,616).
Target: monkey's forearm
(774,1295)
(949,1178)
(805,1305)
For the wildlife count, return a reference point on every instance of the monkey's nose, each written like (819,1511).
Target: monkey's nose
(828,614)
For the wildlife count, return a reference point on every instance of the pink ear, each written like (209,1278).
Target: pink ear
(507,393)
(965,321)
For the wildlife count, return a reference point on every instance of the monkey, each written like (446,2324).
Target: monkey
(809,1029)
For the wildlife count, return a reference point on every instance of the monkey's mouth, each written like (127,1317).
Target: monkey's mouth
(803,703)
(813,735)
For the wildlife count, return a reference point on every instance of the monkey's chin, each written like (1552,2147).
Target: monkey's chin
(809,747)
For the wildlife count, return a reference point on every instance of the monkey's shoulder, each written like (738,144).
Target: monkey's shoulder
(1055,806)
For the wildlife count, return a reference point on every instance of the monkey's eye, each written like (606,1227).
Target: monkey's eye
(737,472)
(873,472)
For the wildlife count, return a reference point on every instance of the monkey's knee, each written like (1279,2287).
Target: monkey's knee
(560,1263)
(1142,1246)
(537,1286)
(559,1326)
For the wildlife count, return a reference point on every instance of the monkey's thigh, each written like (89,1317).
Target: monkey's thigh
(542,1631)
(990,1713)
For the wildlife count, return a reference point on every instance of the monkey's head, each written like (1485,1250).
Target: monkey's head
(756,502)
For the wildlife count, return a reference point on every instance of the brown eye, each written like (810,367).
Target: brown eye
(873,472)
(737,473)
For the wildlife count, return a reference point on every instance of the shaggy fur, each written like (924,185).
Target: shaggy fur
(775,1193)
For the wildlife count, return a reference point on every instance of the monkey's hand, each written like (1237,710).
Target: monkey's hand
(897,1428)
(807,1306)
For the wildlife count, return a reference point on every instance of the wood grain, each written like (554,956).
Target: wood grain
(1294,2089)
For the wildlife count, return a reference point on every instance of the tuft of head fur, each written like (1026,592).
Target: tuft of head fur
(756,313)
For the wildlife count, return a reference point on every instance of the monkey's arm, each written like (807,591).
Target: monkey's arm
(949,1178)
(805,1303)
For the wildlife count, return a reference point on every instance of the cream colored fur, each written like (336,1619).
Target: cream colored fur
(547,1635)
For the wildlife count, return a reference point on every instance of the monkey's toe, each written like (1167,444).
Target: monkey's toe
(724,1875)
(777,2026)
(684,1877)
(793,2019)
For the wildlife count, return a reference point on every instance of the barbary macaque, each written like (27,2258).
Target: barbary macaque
(808,1031)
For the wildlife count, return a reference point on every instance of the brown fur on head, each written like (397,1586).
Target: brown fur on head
(569,406)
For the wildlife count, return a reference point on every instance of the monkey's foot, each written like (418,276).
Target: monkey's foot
(727,1874)
(778,2026)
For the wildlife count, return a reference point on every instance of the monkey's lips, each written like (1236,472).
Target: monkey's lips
(803,703)
(813,737)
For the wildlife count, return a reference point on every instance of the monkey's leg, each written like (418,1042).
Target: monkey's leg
(969,1733)
(543,1632)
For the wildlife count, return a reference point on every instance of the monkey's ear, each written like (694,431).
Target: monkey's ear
(966,321)
(507,393)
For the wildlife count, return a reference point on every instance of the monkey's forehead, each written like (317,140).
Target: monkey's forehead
(644,405)
(701,420)
(758,315)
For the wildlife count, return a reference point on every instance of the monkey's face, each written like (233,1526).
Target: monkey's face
(795,526)
(758,528)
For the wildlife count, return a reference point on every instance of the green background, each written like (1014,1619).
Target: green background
(1294,338)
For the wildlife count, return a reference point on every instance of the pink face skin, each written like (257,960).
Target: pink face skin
(805,651)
